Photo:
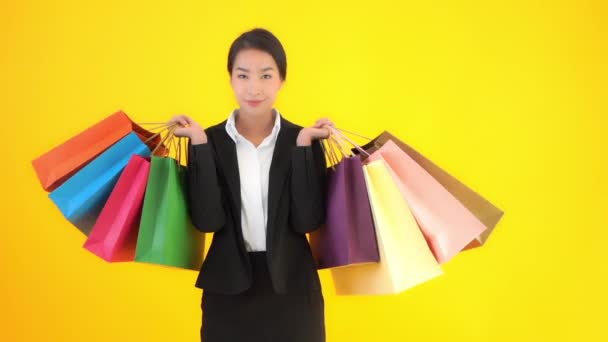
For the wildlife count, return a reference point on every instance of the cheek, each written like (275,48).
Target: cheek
(238,88)
(273,89)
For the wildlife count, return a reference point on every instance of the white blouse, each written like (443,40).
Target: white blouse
(254,167)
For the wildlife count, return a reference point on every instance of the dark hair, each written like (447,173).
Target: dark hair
(260,39)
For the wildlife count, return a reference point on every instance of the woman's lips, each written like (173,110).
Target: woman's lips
(254,103)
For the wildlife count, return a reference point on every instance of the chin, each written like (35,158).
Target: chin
(256,110)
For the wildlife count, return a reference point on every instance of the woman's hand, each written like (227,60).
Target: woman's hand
(319,130)
(186,127)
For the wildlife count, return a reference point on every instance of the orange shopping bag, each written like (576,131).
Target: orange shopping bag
(60,163)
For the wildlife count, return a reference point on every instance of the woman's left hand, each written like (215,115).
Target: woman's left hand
(319,130)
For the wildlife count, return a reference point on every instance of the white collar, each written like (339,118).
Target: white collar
(235,135)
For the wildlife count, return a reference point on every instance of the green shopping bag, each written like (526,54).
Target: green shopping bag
(166,234)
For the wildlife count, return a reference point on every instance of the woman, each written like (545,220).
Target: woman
(257,181)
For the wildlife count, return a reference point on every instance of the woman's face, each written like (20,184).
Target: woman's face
(255,81)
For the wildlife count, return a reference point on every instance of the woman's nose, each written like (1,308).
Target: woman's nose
(254,88)
(254,91)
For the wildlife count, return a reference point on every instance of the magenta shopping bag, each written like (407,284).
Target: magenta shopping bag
(114,235)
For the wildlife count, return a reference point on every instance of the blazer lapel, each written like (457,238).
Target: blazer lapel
(279,172)
(226,154)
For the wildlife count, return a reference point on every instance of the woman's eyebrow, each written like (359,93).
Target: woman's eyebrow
(247,70)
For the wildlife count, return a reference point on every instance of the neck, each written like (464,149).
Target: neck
(254,125)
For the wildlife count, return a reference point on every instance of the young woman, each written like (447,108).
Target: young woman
(257,181)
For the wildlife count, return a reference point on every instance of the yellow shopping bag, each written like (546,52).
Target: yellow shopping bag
(405,257)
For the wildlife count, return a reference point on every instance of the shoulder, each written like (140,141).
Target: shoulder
(214,128)
(289,125)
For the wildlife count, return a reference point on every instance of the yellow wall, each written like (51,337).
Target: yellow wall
(510,97)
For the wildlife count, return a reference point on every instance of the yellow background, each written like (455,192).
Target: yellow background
(508,96)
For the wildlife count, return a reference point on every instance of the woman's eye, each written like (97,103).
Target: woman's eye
(269,76)
(244,76)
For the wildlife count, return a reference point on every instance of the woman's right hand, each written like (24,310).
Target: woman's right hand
(186,127)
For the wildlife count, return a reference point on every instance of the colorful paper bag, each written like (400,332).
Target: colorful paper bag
(348,237)
(485,211)
(166,234)
(83,195)
(57,165)
(405,258)
(114,235)
(447,225)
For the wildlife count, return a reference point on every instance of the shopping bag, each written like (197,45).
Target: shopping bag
(348,237)
(485,211)
(114,235)
(166,234)
(405,258)
(57,165)
(81,197)
(447,225)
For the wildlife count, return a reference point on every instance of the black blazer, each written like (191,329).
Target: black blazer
(296,206)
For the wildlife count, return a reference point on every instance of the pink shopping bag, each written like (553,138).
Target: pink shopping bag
(114,235)
(447,225)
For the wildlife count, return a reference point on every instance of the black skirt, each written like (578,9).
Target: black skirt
(260,314)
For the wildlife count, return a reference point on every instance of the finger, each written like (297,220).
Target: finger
(329,127)
(188,120)
(322,133)
(181,119)
(179,132)
(321,122)
(327,121)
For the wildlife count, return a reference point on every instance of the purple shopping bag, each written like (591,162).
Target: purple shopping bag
(348,236)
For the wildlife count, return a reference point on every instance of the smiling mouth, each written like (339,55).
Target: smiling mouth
(254,103)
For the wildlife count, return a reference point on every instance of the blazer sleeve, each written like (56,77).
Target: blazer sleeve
(204,193)
(308,188)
